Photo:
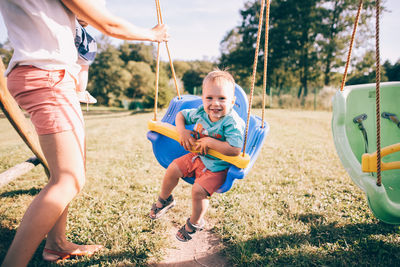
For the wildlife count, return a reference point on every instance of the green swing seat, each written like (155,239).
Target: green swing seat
(354,134)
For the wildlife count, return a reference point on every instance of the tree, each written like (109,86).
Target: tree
(142,81)
(164,97)
(392,71)
(180,68)
(103,43)
(336,29)
(304,19)
(238,45)
(293,31)
(6,53)
(108,78)
(365,70)
(306,42)
(194,76)
(139,52)
(192,79)
(166,90)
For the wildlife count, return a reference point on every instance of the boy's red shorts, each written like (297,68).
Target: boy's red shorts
(192,166)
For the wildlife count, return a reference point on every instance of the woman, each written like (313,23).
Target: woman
(42,78)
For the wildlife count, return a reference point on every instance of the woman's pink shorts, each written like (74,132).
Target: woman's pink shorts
(49,96)
(192,166)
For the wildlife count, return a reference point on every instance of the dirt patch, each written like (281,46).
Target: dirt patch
(203,250)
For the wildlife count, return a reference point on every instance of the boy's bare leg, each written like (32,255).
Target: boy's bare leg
(171,179)
(64,154)
(200,202)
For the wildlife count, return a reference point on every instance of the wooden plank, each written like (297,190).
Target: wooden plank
(18,170)
(17,119)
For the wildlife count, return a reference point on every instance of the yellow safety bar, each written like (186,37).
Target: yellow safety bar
(171,132)
(368,161)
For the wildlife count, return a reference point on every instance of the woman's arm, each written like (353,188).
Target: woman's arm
(100,18)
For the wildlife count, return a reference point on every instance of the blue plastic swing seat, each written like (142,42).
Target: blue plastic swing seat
(166,149)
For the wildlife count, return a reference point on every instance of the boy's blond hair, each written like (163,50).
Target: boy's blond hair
(218,75)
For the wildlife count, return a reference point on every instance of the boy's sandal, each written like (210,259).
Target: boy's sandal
(185,235)
(166,205)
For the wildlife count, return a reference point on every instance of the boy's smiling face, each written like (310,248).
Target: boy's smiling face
(218,98)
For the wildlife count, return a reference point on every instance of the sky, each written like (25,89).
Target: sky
(198,26)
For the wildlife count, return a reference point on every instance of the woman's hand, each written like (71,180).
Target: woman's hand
(160,32)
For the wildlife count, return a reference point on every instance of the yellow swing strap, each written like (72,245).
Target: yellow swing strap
(170,131)
(360,4)
(253,80)
(369,161)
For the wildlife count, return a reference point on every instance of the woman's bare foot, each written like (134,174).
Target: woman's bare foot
(67,250)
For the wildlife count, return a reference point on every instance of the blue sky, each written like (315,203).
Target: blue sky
(198,26)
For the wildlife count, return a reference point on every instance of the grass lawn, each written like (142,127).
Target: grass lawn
(297,206)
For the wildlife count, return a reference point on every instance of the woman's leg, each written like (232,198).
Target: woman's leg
(57,241)
(65,158)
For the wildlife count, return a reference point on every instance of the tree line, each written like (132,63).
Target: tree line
(308,45)
(307,48)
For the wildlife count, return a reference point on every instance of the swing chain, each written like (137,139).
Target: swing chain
(255,69)
(377,81)
(360,4)
(171,64)
(265,62)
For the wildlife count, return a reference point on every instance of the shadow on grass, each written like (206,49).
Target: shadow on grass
(324,244)
(124,258)
(32,192)
(6,237)
(136,259)
(7,234)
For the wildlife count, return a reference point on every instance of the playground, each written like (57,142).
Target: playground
(297,205)
(316,192)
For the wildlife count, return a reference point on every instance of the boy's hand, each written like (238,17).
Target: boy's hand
(203,144)
(187,140)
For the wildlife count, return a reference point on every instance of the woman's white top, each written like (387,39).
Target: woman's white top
(42,34)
